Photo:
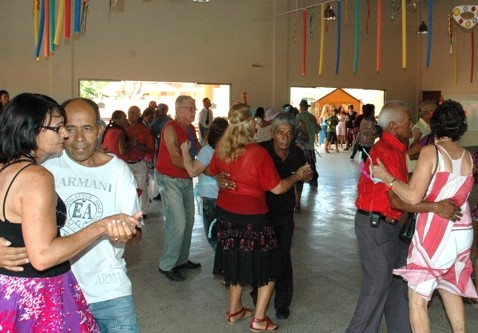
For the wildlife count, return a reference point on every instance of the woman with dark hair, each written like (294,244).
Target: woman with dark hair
(115,139)
(45,295)
(368,132)
(207,185)
(439,256)
(247,252)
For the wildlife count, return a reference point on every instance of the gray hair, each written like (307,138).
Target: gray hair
(426,106)
(283,119)
(181,99)
(392,112)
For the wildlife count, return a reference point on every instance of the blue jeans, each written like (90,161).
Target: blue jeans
(177,197)
(209,214)
(116,315)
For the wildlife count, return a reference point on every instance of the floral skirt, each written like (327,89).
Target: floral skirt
(52,304)
(247,252)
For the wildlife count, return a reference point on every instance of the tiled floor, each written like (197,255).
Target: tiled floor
(327,271)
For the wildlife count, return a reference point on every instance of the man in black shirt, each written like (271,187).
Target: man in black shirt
(287,158)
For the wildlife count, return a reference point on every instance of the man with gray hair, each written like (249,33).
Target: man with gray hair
(287,159)
(176,189)
(377,230)
(420,130)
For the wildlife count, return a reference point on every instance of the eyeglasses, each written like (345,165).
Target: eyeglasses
(55,129)
(188,107)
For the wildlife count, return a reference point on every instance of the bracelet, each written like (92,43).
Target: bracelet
(391,182)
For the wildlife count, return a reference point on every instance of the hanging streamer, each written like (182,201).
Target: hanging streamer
(76,27)
(311,24)
(36,14)
(304,40)
(368,16)
(322,39)
(357,35)
(339,20)
(46,30)
(392,9)
(60,21)
(450,33)
(52,26)
(379,35)
(84,16)
(404,34)
(455,54)
(67,19)
(472,69)
(429,35)
(294,34)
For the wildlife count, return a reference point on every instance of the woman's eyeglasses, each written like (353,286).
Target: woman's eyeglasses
(55,129)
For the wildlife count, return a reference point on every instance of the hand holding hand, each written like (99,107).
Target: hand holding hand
(122,227)
(11,258)
(305,172)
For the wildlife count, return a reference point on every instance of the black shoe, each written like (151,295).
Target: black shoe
(158,197)
(282,313)
(189,264)
(145,216)
(173,275)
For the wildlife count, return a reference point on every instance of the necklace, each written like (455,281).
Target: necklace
(444,140)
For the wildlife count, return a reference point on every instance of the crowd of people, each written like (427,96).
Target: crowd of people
(92,196)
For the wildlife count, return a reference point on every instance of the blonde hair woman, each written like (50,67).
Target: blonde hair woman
(247,251)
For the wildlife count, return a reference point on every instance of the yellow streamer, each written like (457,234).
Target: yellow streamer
(59,22)
(322,39)
(404,34)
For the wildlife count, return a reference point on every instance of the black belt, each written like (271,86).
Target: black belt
(133,162)
(382,217)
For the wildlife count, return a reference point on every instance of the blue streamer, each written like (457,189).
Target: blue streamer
(40,30)
(429,35)
(76,27)
(337,60)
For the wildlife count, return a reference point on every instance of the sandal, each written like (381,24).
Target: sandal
(241,314)
(270,326)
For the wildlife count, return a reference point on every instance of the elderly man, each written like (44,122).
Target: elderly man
(93,185)
(420,130)
(176,189)
(376,227)
(287,159)
(142,143)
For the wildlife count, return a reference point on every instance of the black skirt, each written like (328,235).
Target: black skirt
(247,252)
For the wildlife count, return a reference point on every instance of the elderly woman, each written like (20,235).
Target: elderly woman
(247,250)
(439,256)
(44,295)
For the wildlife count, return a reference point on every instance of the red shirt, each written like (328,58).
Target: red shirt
(254,173)
(110,142)
(141,133)
(164,164)
(374,197)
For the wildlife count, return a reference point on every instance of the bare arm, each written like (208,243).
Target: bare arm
(445,208)
(124,148)
(39,227)
(194,168)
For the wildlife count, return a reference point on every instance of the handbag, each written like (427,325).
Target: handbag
(408,228)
